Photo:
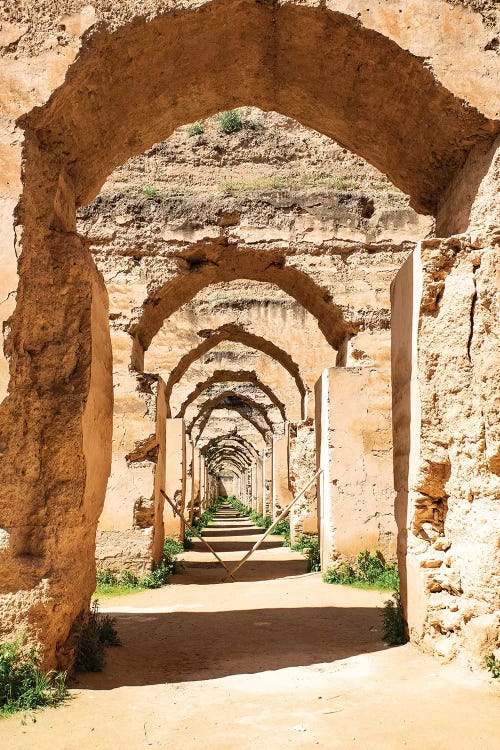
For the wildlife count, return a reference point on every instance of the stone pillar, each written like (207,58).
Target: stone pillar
(447,444)
(302,450)
(175,477)
(189,469)
(195,483)
(282,495)
(269,481)
(263,490)
(203,487)
(257,480)
(356,496)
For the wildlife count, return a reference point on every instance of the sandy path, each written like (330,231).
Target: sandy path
(268,662)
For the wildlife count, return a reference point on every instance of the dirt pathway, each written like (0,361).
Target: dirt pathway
(277,660)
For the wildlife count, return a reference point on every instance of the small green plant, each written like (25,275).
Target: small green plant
(127,578)
(95,632)
(106,577)
(150,192)
(394,623)
(493,666)
(195,129)
(282,528)
(230,121)
(158,577)
(343,574)
(369,571)
(126,582)
(207,515)
(308,544)
(23,686)
(172,547)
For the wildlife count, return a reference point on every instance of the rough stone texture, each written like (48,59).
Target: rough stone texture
(447,469)
(205,350)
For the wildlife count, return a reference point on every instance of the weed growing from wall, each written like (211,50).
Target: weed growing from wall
(232,121)
(309,546)
(493,666)
(195,129)
(393,620)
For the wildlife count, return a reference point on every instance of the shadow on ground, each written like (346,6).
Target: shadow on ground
(209,571)
(186,646)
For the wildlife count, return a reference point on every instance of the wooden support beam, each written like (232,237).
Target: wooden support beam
(193,531)
(271,528)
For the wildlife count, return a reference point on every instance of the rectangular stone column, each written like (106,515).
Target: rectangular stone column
(261,503)
(195,482)
(282,494)
(189,469)
(445,369)
(175,476)
(356,494)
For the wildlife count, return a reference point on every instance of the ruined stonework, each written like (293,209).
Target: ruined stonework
(412,88)
(450,465)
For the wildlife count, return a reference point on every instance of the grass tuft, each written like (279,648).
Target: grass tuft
(308,544)
(493,666)
(95,632)
(393,620)
(23,686)
(196,128)
(369,572)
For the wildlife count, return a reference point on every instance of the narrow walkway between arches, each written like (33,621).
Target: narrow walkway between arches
(232,535)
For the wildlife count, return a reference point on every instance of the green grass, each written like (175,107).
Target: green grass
(103,589)
(126,582)
(150,192)
(205,519)
(196,128)
(233,121)
(23,686)
(264,522)
(493,665)
(308,544)
(393,621)
(369,572)
(95,632)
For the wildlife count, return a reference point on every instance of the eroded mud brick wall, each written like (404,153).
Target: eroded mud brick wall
(447,470)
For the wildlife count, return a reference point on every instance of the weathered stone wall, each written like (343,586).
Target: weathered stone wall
(447,472)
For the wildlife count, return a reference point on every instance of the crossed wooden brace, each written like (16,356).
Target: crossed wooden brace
(257,543)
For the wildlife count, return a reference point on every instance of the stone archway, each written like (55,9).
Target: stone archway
(238,335)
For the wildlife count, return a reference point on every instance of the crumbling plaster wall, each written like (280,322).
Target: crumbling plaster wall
(447,472)
(160,230)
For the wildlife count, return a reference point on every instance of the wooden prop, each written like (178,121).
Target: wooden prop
(193,531)
(271,528)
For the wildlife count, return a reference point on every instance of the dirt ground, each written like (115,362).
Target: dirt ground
(276,660)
